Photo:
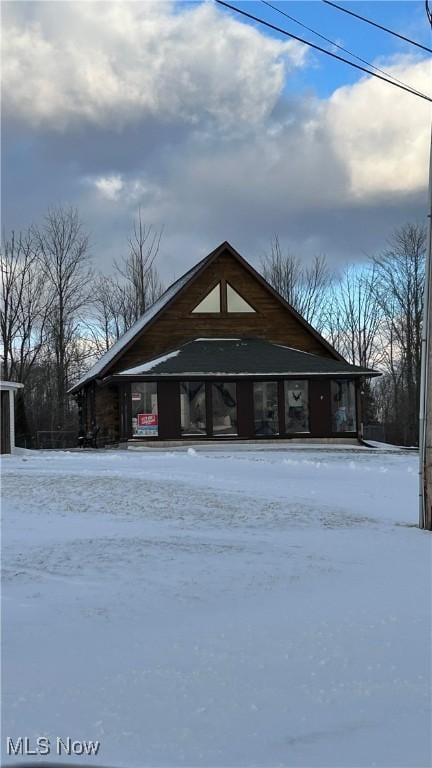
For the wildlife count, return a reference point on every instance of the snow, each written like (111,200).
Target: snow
(218,608)
(213,338)
(143,367)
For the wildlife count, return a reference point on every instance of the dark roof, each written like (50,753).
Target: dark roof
(102,366)
(240,357)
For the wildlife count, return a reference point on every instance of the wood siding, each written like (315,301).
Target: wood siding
(107,414)
(177,324)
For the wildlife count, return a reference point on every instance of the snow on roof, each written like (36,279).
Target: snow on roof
(143,367)
(295,349)
(138,326)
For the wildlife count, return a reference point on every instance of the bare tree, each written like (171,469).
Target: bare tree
(400,275)
(353,325)
(113,312)
(62,250)
(106,327)
(353,317)
(141,284)
(24,306)
(120,299)
(303,286)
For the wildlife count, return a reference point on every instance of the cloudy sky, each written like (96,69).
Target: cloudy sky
(217,128)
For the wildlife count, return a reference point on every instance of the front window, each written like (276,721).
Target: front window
(266,408)
(145,421)
(192,408)
(296,406)
(343,406)
(224,407)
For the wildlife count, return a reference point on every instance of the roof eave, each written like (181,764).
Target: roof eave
(125,378)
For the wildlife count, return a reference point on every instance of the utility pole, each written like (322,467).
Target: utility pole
(425,414)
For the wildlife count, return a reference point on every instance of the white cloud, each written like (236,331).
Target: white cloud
(308,174)
(381,134)
(367,143)
(185,112)
(109,187)
(117,62)
(128,190)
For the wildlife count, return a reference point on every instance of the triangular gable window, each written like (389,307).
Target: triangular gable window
(211,302)
(235,302)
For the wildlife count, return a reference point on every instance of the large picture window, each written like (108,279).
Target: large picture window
(145,422)
(343,406)
(266,408)
(296,406)
(224,407)
(192,408)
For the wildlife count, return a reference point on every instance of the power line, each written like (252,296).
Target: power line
(324,50)
(336,45)
(379,26)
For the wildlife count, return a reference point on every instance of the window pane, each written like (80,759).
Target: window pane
(192,408)
(211,303)
(144,409)
(343,406)
(296,406)
(224,405)
(235,302)
(266,408)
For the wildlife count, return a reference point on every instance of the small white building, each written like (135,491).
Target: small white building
(7,393)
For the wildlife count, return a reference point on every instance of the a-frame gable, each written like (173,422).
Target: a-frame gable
(172,321)
(325,347)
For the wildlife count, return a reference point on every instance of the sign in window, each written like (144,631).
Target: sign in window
(145,416)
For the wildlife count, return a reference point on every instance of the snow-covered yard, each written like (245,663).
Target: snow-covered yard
(229,608)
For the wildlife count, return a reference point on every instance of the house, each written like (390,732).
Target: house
(221,355)
(7,395)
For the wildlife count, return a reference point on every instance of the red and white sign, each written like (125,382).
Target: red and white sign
(147,419)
